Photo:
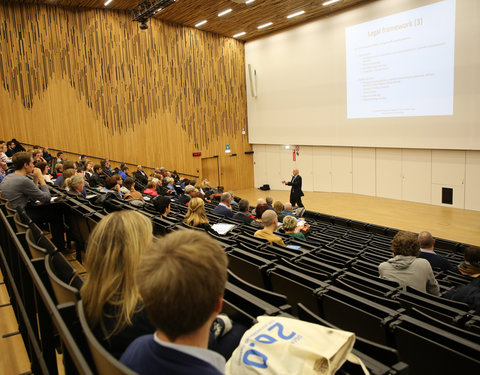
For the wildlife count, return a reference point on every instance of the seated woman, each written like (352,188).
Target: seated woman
(3,153)
(259,210)
(75,186)
(162,205)
(151,187)
(129,184)
(289,225)
(43,166)
(405,268)
(113,304)
(196,215)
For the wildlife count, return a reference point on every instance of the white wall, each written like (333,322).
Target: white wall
(405,174)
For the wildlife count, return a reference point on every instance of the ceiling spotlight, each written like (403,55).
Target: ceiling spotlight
(265,25)
(239,34)
(224,12)
(201,23)
(329,2)
(107,2)
(249,1)
(296,14)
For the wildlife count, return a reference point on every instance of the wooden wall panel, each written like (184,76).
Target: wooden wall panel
(89,81)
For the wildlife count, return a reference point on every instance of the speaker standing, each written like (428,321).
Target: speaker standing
(296,193)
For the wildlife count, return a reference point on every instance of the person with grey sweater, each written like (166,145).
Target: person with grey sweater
(406,268)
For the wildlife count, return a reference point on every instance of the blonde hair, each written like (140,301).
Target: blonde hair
(196,214)
(113,254)
(181,280)
(289,223)
(73,182)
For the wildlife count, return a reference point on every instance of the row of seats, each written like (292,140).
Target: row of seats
(327,275)
(61,303)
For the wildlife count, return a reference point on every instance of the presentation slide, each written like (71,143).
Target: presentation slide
(402,65)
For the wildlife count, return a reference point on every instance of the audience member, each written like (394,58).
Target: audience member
(111,186)
(224,208)
(58,170)
(151,187)
(11,149)
(66,174)
(162,205)
(270,223)
(3,170)
(43,166)
(96,179)
(3,153)
(129,184)
(67,164)
(182,315)
(22,192)
(81,160)
(170,187)
(189,194)
(288,210)
(406,268)
(269,201)
(60,157)
(259,210)
(37,156)
(243,214)
(46,155)
(278,207)
(75,185)
(427,243)
(88,169)
(18,146)
(141,176)
(471,265)
(106,169)
(289,225)
(196,215)
(112,302)
(124,172)
(469,293)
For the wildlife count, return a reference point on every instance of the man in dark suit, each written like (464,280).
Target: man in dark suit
(243,214)
(296,193)
(224,208)
(427,243)
(141,176)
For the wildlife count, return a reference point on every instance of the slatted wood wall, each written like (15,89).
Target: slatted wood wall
(90,81)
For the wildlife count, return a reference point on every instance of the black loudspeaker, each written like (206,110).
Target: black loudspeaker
(447,195)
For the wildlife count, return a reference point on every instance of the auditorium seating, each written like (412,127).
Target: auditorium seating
(333,275)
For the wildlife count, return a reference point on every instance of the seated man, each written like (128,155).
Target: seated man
(180,307)
(406,268)
(270,223)
(224,208)
(22,192)
(427,243)
(471,264)
(141,176)
(189,194)
(243,214)
(288,210)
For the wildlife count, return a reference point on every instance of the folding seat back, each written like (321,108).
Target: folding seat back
(105,363)
(430,350)
(62,278)
(249,267)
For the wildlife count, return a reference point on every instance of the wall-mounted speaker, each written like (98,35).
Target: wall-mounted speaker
(252,75)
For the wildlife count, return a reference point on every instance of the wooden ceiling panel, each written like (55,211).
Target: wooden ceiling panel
(243,17)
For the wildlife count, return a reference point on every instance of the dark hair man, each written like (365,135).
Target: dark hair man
(22,193)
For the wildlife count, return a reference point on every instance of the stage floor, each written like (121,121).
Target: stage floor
(444,222)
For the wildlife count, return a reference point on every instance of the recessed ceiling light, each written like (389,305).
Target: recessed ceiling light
(249,1)
(239,34)
(265,25)
(224,12)
(107,2)
(329,2)
(158,10)
(201,23)
(296,14)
